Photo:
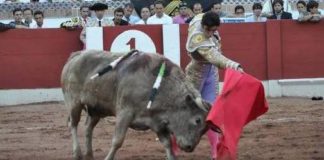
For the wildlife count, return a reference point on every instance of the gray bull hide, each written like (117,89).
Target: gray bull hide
(124,92)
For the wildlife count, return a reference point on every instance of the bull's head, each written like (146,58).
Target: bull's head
(187,123)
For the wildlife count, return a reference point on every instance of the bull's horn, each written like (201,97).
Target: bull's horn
(200,104)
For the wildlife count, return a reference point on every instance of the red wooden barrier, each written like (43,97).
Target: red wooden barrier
(271,50)
(35,58)
(302,49)
(246,44)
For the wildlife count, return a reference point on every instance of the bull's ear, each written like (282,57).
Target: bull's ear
(189,99)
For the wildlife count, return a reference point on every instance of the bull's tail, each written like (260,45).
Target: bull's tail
(87,119)
(74,54)
(87,111)
(68,121)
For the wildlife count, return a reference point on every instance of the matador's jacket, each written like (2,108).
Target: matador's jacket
(205,53)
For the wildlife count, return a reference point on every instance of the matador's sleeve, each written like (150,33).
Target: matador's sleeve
(210,51)
(83,32)
(83,35)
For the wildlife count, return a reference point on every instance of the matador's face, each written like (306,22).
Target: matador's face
(209,31)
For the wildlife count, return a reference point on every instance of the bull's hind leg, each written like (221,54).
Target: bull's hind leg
(91,123)
(123,120)
(75,115)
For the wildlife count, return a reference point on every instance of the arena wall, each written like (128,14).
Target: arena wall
(287,56)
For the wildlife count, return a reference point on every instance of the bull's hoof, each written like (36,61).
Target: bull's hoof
(88,157)
(171,158)
(77,156)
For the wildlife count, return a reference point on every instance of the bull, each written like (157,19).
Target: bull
(124,93)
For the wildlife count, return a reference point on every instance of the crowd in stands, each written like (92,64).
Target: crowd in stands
(308,12)
(33,1)
(25,18)
(155,14)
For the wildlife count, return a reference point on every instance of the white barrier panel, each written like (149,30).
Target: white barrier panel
(302,87)
(171,42)
(273,88)
(94,39)
(26,96)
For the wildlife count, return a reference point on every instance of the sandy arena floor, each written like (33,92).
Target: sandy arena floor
(293,129)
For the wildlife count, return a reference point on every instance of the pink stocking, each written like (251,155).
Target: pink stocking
(213,140)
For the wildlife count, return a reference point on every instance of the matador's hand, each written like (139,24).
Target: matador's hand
(240,69)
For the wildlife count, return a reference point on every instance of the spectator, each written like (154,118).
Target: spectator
(217,8)
(10,1)
(85,14)
(30,1)
(239,11)
(24,1)
(196,9)
(159,17)
(145,14)
(268,9)
(39,18)
(278,11)
(301,7)
(28,15)
(128,11)
(257,11)
(183,14)
(98,21)
(118,17)
(37,1)
(312,8)
(152,8)
(18,17)
(4,27)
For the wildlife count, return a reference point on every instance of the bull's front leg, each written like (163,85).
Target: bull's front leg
(123,120)
(165,139)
